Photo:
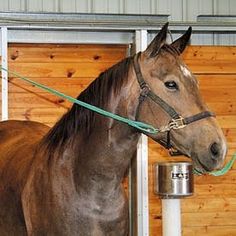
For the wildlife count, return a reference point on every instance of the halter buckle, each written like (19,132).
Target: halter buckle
(177,123)
(145,90)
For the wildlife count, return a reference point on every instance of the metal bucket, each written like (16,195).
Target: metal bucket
(174,179)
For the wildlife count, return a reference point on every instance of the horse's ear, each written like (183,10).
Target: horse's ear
(156,44)
(182,42)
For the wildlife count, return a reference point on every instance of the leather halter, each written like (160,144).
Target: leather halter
(177,121)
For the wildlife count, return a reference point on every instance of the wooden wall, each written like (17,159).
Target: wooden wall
(212,209)
(70,68)
(67,68)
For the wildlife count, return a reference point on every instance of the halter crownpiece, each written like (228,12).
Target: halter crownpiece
(177,121)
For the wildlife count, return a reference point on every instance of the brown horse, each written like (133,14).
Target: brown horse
(67,180)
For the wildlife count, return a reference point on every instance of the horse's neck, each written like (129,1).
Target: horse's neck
(108,151)
(103,157)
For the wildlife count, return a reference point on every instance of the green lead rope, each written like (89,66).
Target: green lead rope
(136,124)
(226,168)
(223,171)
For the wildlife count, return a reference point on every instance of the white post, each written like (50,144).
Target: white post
(171,217)
(4,47)
(142,162)
(142,187)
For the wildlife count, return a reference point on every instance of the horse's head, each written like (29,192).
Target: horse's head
(166,76)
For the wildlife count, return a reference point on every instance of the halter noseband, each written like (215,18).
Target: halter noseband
(177,121)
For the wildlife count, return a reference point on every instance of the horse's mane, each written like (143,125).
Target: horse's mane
(79,119)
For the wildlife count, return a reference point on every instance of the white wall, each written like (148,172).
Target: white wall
(179,10)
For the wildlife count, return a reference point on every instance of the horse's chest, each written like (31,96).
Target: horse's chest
(103,218)
(88,216)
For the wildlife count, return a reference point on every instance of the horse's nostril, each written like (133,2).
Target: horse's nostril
(215,150)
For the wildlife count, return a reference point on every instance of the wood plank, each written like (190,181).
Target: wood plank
(227,121)
(216,80)
(208,231)
(222,107)
(209,219)
(70,86)
(53,53)
(29,100)
(211,53)
(225,204)
(219,95)
(195,219)
(66,70)
(214,190)
(229,178)
(215,67)
(193,204)
(156,230)
(210,60)
(48,115)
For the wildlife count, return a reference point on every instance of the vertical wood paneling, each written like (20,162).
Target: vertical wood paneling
(222,7)
(100,6)
(232,7)
(83,6)
(16,5)
(4,5)
(131,7)
(49,6)
(176,10)
(67,6)
(145,7)
(153,6)
(163,7)
(205,7)
(179,10)
(192,10)
(121,6)
(34,6)
(113,6)
(202,39)
(225,39)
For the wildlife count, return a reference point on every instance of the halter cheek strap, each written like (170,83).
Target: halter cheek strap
(177,121)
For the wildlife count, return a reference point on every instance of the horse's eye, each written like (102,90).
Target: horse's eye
(171,85)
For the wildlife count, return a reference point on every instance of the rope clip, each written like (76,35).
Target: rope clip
(177,123)
(145,90)
(174,124)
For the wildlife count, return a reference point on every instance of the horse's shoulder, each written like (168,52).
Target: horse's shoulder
(21,133)
(12,126)
(18,144)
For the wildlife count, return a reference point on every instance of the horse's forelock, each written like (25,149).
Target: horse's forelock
(171,49)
